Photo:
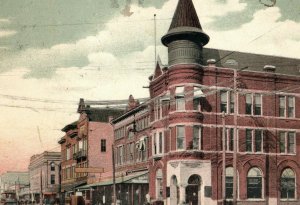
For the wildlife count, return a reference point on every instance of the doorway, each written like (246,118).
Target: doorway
(193,196)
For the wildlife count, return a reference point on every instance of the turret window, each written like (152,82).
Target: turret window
(198,94)
(179,97)
(180,138)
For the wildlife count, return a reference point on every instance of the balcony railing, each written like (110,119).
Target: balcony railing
(80,155)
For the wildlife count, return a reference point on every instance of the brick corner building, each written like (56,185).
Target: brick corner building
(260,96)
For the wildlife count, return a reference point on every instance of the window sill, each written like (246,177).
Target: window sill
(254,199)
(288,200)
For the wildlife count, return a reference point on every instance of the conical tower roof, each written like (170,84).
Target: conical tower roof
(185,23)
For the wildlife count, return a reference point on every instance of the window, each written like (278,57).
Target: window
(248,140)
(52,166)
(142,149)
(165,105)
(157,109)
(159,184)
(229,134)
(254,140)
(68,153)
(229,182)
(227,101)
(281,106)
(103,145)
(287,142)
(80,145)
(288,184)
(254,184)
(253,104)
(258,141)
(121,154)
(197,98)
(130,152)
(249,104)
(154,144)
(289,103)
(224,101)
(52,179)
(196,137)
(291,106)
(179,97)
(180,131)
(158,143)
(257,104)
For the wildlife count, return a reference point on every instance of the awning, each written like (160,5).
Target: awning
(198,92)
(141,178)
(72,187)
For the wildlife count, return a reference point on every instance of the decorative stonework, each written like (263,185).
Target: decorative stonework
(192,164)
(174,164)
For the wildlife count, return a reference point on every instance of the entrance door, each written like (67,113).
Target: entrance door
(193,190)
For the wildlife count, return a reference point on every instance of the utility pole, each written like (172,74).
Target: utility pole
(224,158)
(235,138)
(114,176)
(154,40)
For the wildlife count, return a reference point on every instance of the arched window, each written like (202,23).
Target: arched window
(229,183)
(52,166)
(288,182)
(254,183)
(159,184)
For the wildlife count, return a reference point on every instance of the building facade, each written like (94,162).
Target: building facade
(11,185)
(86,144)
(260,97)
(131,151)
(44,177)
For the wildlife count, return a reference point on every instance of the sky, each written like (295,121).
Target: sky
(54,52)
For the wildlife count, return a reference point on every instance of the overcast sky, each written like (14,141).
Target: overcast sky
(54,52)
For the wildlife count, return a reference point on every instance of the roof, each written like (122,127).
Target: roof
(185,15)
(185,23)
(141,178)
(70,126)
(129,113)
(102,114)
(253,62)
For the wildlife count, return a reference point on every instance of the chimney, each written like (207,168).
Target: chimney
(211,62)
(269,68)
